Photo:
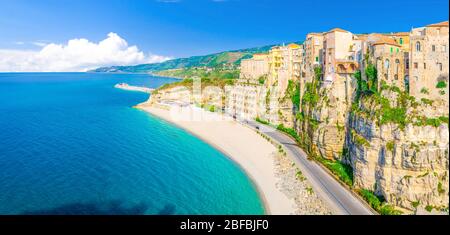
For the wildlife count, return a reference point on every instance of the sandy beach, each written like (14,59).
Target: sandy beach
(244,146)
(254,154)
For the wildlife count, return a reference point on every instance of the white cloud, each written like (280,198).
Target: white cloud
(77,55)
(39,44)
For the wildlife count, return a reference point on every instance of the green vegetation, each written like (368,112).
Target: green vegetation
(441,189)
(389,114)
(426,101)
(293,92)
(372,78)
(443,119)
(441,84)
(415,204)
(340,128)
(390,146)
(378,203)
(435,122)
(212,108)
(424,91)
(300,176)
(289,131)
(188,83)
(342,171)
(361,85)
(387,209)
(311,96)
(310,190)
(383,111)
(268,100)
(359,139)
(262,80)
(200,72)
(429,208)
(262,121)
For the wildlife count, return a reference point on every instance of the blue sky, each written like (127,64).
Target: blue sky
(179,28)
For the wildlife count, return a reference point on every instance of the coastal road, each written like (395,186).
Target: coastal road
(338,197)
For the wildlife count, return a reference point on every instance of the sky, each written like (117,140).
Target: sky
(76,35)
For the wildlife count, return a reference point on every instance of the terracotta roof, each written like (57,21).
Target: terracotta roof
(440,24)
(386,40)
(294,45)
(337,30)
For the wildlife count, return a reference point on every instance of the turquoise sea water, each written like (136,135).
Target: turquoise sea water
(70,143)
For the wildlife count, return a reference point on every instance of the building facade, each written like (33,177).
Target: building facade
(429,62)
(255,68)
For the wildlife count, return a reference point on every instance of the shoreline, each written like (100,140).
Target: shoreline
(260,171)
(260,193)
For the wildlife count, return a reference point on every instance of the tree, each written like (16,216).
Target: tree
(371,74)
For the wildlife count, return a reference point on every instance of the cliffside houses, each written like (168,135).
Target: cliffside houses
(416,62)
(429,62)
(379,141)
(262,85)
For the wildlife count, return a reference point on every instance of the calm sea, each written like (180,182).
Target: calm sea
(70,143)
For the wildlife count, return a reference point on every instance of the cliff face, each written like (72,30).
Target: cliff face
(323,119)
(398,147)
(408,164)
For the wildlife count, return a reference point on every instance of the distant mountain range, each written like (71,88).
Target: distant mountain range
(227,59)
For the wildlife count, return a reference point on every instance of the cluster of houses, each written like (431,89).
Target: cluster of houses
(414,61)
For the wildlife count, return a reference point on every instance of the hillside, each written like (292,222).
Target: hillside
(211,73)
(227,59)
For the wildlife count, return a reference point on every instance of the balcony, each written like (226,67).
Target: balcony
(346,67)
(417,37)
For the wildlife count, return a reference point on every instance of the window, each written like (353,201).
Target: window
(386,64)
(397,50)
(392,50)
(440,66)
(401,41)
(416,65)
(406,82)
(317,59)
(417,46)
(425,65)
(433,48)
(397,66)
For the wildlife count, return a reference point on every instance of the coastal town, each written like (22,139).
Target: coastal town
(371,109)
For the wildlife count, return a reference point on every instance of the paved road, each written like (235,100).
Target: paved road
(339,198)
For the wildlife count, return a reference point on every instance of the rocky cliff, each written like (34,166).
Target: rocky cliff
(406,159)
(397,146)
